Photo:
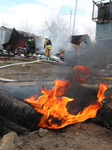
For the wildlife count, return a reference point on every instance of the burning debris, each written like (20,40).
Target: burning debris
(22,44)
(52,104)
(68,102)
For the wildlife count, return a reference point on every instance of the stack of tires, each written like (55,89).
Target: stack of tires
(16,114)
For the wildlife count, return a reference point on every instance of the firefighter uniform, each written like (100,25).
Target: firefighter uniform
(30,45)
(48,45)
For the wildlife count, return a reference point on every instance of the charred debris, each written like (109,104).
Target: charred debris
(12,43)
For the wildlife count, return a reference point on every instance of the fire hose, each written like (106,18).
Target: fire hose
(22,63)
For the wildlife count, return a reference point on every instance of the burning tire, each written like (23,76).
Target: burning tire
(16,114)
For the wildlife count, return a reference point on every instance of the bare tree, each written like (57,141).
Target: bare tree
(26,26)
(56,22)
(56,27)
(5,24)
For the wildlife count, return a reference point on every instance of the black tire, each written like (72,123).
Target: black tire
(16,114)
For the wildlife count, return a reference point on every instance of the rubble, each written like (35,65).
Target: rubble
(42,132)
(9,141)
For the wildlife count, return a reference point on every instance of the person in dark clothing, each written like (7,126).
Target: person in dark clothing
(30,46)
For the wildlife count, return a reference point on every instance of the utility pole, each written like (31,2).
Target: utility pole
(73,32)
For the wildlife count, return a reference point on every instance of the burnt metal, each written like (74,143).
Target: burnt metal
(16,40)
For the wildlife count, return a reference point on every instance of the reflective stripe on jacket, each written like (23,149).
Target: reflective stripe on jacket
(49,46)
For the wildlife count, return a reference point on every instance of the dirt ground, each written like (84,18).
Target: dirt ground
(33,72)
(80,136)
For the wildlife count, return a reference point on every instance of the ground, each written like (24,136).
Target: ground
(32,72)
(80,136)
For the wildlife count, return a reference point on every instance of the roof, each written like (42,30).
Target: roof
(25,33)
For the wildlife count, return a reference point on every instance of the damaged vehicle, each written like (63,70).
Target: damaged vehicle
(76,45)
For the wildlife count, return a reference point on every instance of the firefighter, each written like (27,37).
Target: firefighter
(30,46)
(48,45)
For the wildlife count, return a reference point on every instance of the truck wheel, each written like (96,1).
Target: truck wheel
(16,114)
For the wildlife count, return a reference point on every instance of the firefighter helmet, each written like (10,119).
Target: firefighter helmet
(46,37)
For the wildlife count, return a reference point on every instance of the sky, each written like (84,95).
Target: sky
(15,13)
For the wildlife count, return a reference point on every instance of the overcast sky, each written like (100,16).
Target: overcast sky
(13,12)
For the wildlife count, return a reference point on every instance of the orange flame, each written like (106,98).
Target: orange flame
(53,106)
(83,69)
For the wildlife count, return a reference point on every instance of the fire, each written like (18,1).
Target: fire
(85,70)
(52,104)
